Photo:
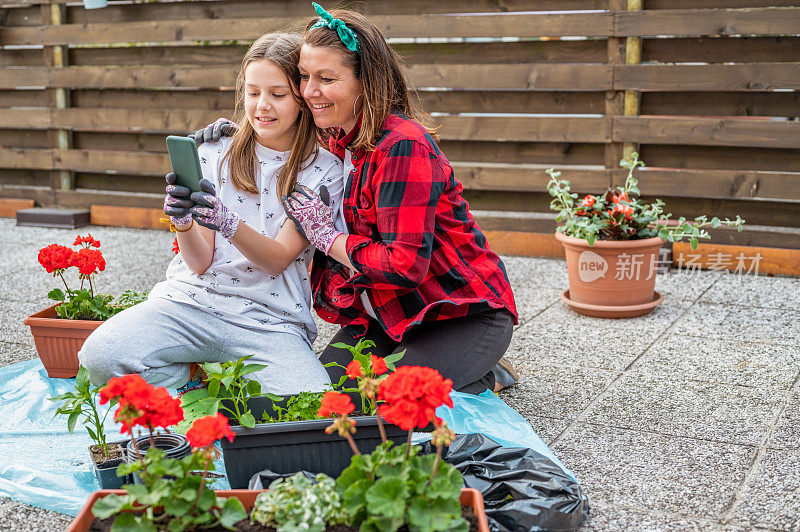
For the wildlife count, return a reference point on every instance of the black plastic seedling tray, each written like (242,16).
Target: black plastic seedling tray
(288,447)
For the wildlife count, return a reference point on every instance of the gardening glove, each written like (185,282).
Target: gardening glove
(177,202)
(312,216)
(213,132)
(209,211)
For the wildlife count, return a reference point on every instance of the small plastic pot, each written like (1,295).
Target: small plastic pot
(106,474)
(174,446)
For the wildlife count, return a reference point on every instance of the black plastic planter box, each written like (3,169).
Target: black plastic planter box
(288,447)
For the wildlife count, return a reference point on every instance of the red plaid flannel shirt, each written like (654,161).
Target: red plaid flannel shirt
(418,252)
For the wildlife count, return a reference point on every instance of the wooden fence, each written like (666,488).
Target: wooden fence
(708,96)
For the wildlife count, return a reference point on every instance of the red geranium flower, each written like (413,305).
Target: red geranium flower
(411,395)
(588,201)
(89,261)
(378,364)
(623,196)
(141,403)
(627,210)
(88,240)
(353,369)
(335,403)
(208,429)
(55,257)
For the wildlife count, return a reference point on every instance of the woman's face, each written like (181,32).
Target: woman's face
(329,87)
(269,105)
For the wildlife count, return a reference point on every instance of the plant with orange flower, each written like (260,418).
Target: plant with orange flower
(170,497)
(82,304)
(620,214)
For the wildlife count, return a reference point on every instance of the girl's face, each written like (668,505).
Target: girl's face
(329,87)
(269,105)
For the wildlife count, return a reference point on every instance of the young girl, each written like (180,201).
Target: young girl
(240,284)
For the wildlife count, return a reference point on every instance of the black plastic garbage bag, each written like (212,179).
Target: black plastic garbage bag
(522,489)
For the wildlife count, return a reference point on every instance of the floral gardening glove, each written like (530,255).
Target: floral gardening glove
(209,211)
(213,132)
(177,202)
(312,216)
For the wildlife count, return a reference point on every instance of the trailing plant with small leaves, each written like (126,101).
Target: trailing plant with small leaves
(81,405)
(229,389)
(298,504)
(393,486)
(620,214)
(187,502)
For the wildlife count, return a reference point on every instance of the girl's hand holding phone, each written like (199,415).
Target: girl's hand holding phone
(177,202)
(209,211)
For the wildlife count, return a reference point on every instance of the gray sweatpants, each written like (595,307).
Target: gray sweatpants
(158,338)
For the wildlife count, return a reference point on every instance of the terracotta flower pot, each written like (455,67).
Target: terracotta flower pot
(469,497)
(58,341)
(611,279)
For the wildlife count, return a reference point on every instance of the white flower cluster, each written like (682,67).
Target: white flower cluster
(298,504)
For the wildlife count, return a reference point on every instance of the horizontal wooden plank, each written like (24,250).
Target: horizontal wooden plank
(741,77)
(689,4)
(10,206)
(22,57)
(24,138)
(719,184)
(27,158)
(530,77)
(779,104)
(524,244)
(753,132)
(12,77)
(721,157)
(546,153)
(143,98)
(720,49)
(397,26)
(746,261)
(551,51)
(23,98)
(138,217)
(524,177)
(537,129)
(696,22)
(246,8)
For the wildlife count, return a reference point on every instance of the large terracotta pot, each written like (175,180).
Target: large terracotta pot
(611,279)
(58,341)
(469,497)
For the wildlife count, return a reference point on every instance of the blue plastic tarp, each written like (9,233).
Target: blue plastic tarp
(41,464)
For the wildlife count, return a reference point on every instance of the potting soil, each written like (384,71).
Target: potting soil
(41,464)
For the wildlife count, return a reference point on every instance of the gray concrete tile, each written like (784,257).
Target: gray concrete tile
(547,428)
(555,392)
(11,353)
(684,284)
(533,300)
(661,318)
(12,315)
(756,291)
(714,320)
(680,407)
(654,472)
(610,516)
(721,360)
(325,332)
(527,272)
(770,497)
(786,434)
(572,344)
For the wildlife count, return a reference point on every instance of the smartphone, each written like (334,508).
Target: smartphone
(185,162)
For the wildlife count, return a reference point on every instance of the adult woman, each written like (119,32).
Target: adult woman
(415,274)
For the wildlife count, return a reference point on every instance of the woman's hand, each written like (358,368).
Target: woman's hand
(209,211)
(177,202)
(213,132)
(312,216)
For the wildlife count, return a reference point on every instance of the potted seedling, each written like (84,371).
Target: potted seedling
(60,330)
(81,406)
(611,243)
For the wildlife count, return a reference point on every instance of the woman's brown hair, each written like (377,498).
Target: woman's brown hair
(381,72)
(283,50)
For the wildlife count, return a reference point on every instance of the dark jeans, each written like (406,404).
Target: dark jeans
(462,349)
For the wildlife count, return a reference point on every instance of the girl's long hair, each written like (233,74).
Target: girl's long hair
(283,50)
(381,72)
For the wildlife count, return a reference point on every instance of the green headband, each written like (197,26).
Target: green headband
(346,35)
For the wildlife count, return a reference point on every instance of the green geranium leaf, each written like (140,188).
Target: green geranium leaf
(353,498)
(130,523)
(232,512)
(207,499)
(386,497)
(248,420)
(177,507)
(109,505)
(56,294)
(431,515)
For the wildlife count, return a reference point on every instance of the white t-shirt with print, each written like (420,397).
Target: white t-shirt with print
(234,289)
